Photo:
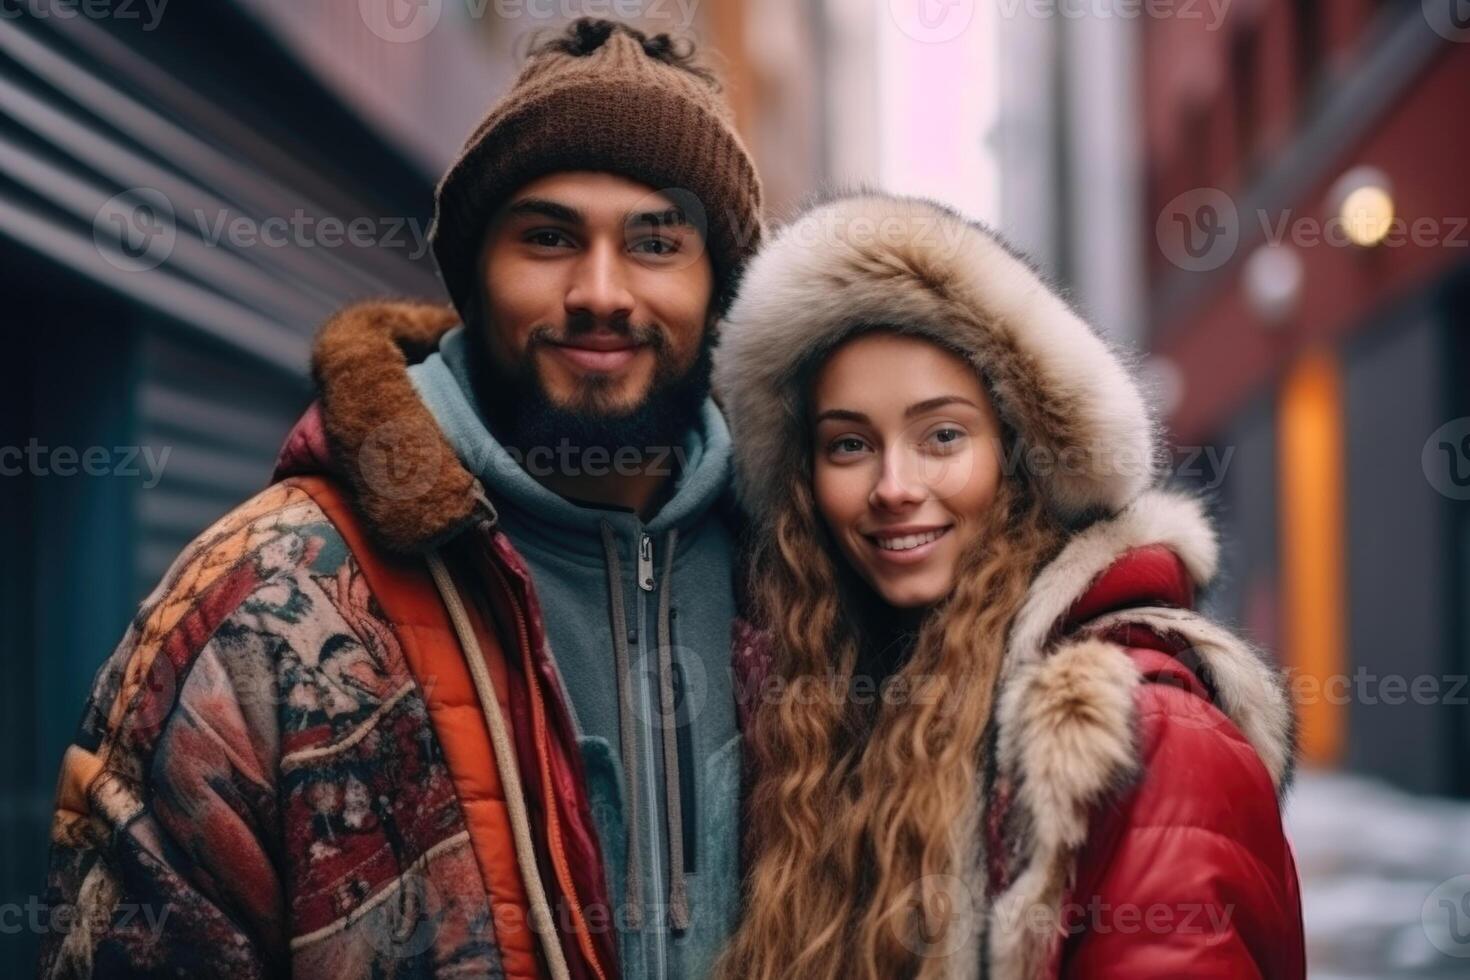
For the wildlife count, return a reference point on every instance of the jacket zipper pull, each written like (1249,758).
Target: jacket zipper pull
(645,563)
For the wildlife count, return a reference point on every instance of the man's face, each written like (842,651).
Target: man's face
(596,293)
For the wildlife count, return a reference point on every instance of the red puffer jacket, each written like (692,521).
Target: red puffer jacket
(1188,873)
(1132,825)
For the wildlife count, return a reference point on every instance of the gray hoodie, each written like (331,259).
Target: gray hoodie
(641,610)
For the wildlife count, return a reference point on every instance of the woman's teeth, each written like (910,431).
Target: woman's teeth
(909,541)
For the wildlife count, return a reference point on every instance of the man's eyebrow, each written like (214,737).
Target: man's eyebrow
(670,216)
(545,208)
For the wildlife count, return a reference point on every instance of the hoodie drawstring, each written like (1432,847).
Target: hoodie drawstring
(628,736)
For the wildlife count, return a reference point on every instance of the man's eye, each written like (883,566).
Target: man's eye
(546,237)
(656,246)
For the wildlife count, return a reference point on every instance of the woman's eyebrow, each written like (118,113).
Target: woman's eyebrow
(841,414)
(917,408)
(930,404)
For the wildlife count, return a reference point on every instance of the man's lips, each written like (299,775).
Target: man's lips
(598,353)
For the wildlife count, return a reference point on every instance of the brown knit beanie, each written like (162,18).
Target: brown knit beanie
(603,96)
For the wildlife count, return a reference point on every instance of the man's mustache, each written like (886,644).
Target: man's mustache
(647,334)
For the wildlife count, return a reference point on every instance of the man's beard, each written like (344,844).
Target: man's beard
(523,415)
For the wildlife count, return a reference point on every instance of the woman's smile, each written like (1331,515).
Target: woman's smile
(905,461)
(907,546)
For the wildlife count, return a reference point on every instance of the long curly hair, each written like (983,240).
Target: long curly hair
(857,813)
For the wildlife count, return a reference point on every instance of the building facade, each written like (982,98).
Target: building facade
(1308,267)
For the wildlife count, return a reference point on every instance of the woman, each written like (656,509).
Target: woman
(987,733)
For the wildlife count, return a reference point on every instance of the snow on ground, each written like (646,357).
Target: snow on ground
(1385,879)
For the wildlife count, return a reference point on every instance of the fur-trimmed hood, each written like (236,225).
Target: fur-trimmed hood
(873,259)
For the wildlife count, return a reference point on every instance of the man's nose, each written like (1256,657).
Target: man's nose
(599,288)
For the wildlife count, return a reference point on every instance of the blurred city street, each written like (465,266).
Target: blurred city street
(1370,857)
(1262,203)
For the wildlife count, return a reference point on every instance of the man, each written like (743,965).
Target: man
(452,695)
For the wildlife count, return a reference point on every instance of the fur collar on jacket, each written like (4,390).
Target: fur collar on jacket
(370,428)
(1066,731)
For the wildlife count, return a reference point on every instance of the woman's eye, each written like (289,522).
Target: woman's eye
(846,444)
(947,437)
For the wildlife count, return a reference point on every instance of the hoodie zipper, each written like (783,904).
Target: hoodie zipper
(645,562)
(654,842)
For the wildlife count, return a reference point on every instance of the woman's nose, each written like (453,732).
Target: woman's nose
(899,484)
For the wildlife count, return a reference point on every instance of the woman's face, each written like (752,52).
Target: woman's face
(906,461)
